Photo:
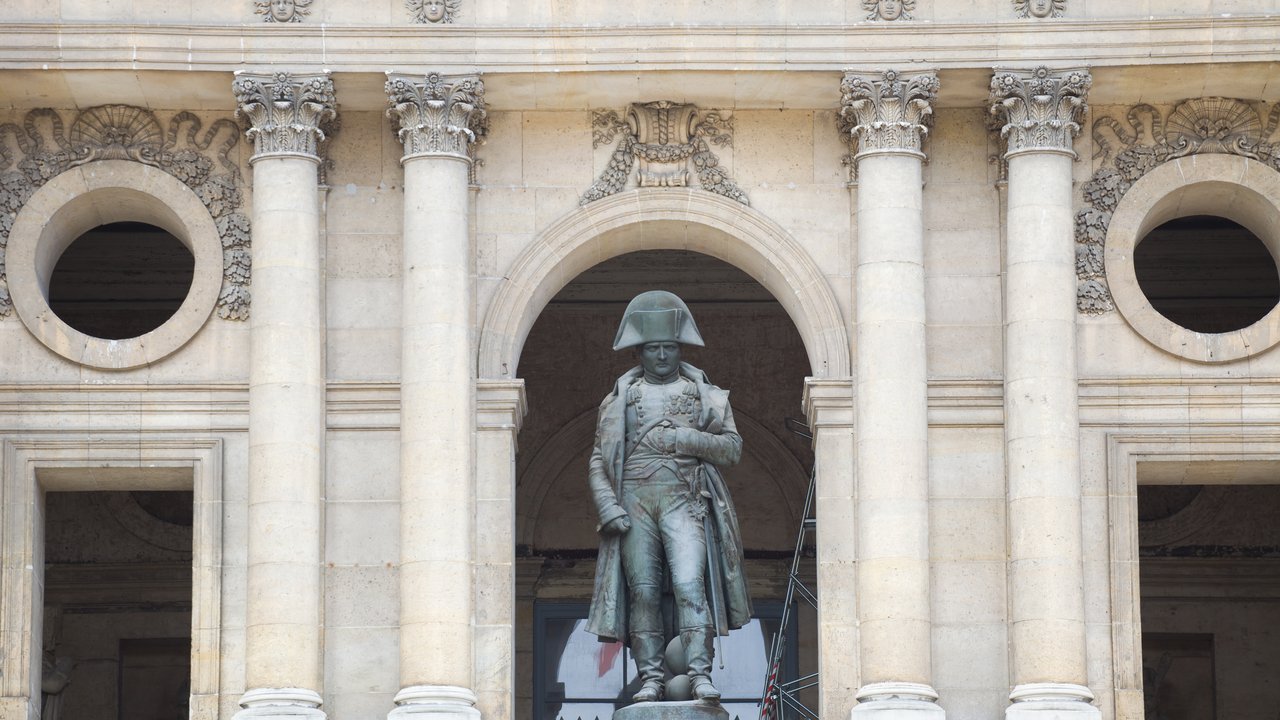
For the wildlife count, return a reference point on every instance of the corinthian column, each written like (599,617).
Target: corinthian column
(888,115)
(1041,111)
(286,395)
(439,118)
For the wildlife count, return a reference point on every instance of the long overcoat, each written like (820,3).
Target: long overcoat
(608,615)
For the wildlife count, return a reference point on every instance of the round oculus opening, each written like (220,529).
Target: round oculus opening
(1207,274)
(121,280)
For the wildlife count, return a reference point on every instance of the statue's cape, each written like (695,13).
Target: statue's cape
(608,615)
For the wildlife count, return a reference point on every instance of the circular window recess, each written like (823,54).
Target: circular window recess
(1207,274)
(1179,278)
(121,280)
(144,283)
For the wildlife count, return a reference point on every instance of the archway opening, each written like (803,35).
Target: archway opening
(754,350)
(121,280)
(1207,273)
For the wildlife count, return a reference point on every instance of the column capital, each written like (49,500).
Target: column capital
(285,111)
(439,115)
(890,114)
(500,404)
(828,402)
(1041,108)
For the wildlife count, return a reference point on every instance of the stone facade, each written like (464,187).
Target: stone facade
(913,225)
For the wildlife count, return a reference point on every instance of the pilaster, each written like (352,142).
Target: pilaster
(1041,110)
(286,396)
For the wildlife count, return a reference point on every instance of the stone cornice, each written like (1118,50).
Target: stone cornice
(1041,109)
(457,48)
(888,112)
(285,112)
(438,115)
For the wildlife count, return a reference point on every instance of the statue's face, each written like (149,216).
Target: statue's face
(890,9)
(1041,8)
(660,360)
(282,10)
(434,10)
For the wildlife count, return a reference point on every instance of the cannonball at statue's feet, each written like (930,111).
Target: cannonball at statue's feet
(651,691)
(704,690)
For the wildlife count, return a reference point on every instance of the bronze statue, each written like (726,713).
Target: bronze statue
(666,518)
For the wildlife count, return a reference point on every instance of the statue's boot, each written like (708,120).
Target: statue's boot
(646,649)
(697,648)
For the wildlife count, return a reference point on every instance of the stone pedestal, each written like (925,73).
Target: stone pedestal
(687,710)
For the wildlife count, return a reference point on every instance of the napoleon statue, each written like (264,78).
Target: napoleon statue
(667,523)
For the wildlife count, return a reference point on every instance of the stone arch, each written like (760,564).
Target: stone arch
(1237,188)
(665,219)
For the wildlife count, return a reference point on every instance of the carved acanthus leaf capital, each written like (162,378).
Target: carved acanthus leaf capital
(891,114)
(438,114)
(286,112)
(1041,110)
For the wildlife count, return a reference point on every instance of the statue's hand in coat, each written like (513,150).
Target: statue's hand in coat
(617,526)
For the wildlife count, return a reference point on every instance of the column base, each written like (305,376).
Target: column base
(1051,701)
(897,701)
(441,702)
(283,703)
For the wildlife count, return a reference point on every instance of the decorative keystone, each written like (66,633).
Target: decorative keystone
(1041,110)
(439,115)
(889,115)
(285,113)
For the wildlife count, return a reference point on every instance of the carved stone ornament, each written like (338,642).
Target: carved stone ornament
(41,148)
(433,11)
(286,114)
(1146,139)
(438,114)
(282,11)
(1039,8)
(888,115)
(889,9)
(663,139)
(1041,110)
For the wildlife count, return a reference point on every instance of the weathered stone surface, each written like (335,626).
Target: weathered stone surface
(685,710)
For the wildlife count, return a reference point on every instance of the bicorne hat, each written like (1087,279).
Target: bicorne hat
(657,316)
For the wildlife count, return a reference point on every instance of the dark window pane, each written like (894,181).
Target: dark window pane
(578,666)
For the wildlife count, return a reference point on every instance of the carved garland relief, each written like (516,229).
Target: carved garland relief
(1144,140)
(663,138)
(43,147)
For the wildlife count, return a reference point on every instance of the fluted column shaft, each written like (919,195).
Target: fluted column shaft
(889,117)
(438,119)
(1041,110)
(286,396)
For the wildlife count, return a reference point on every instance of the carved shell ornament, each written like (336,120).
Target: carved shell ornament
(123,132)
(1147,138)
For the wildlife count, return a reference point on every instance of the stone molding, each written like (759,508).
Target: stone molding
(891,114)
(281,704)
(438,702)
(286,113)
(1033,701)
(828,402)
(48,147)
(1198,125)
(663,139)
(500,405)
(1041,109)
(438,115)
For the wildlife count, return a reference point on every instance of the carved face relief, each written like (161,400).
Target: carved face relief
(433,10)
(1041,8)
(890,9)
(282,10)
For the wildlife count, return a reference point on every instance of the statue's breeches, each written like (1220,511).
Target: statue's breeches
(666,525)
